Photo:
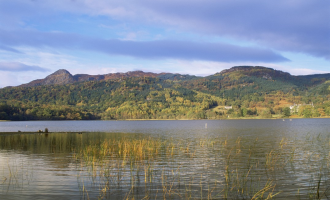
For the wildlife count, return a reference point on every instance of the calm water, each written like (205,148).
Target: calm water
(204,159)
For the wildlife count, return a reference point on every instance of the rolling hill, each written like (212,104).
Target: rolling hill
(242,91)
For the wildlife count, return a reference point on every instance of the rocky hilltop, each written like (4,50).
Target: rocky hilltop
(62,76)
(258,71)
(59,77)
(243,91)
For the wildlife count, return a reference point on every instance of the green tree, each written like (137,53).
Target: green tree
(307,113)
(286,112)
(244,112)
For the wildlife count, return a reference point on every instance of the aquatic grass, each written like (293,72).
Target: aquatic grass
(15,175)
(136,155)
(206,168)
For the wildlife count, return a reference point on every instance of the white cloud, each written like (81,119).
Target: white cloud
(159,49)
(299,28)
(8,79)
(303,71)
(20,67)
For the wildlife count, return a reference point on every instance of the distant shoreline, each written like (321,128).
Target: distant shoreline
(41,133)
(82,132)
(325,117)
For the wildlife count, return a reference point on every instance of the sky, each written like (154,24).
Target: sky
(197,37)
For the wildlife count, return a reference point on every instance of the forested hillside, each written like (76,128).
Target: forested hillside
(249,92)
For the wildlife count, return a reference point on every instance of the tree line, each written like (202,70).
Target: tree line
(214,97)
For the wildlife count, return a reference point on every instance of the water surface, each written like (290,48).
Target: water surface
(218,159)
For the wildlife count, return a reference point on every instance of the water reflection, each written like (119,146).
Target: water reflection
(249,159)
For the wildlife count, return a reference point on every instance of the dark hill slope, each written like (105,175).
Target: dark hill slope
(62,77)
(59,77)
(233,83)
(242,81)
(251,91)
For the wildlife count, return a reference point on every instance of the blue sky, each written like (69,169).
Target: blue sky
(199,37)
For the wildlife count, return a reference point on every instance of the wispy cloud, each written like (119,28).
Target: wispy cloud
(164,35)
(2,47)
(302,71)
(20,67)
(160,49)
(295,25)
(298,26)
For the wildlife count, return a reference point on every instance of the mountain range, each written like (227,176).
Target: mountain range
(62,76)
(241,91)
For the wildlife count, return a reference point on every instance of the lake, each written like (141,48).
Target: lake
(172,159)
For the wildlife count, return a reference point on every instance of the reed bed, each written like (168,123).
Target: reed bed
(124,166)
(216,168)
(14,175)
